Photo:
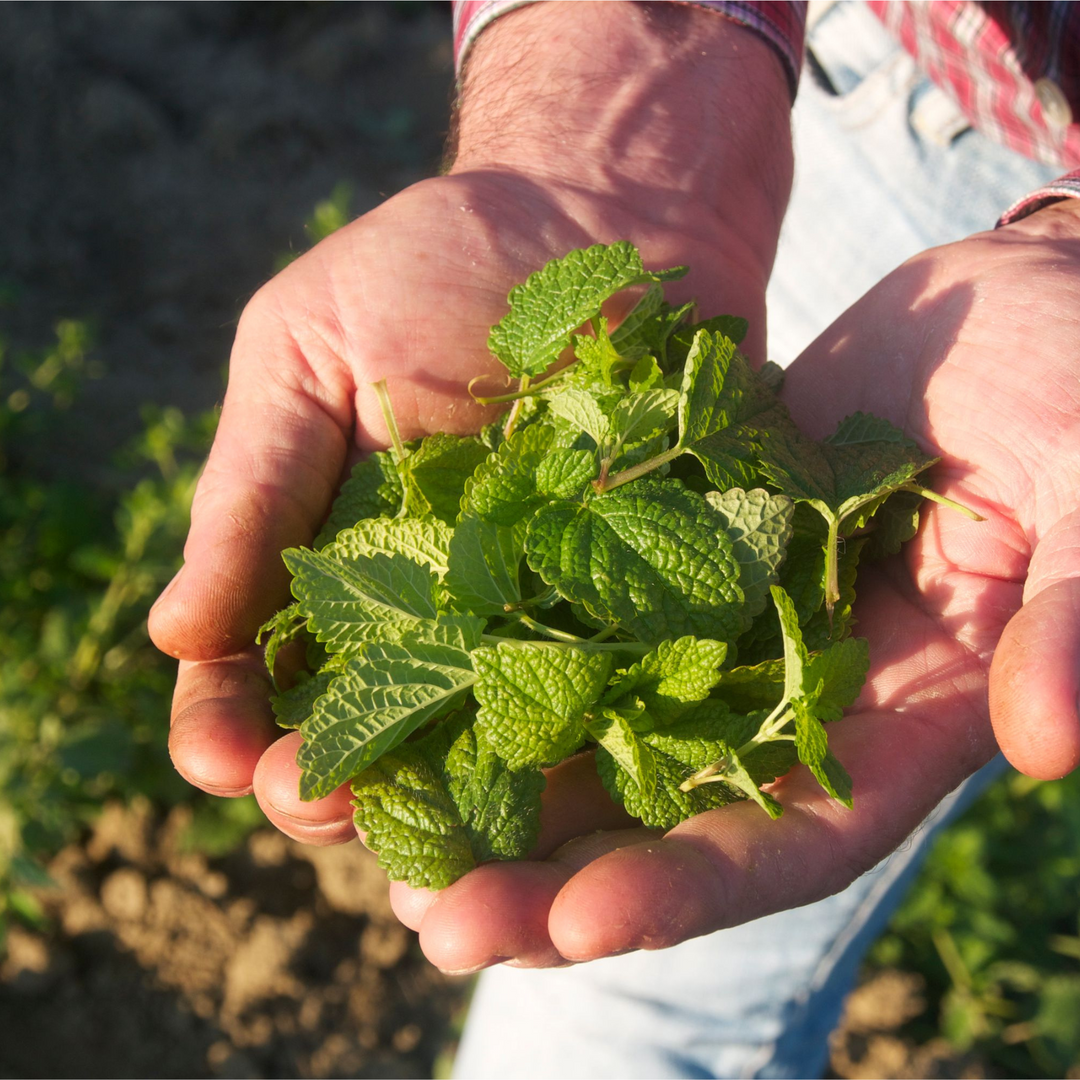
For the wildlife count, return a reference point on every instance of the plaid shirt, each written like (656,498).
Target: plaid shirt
(1013,68)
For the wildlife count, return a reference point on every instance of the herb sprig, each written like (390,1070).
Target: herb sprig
(644,556)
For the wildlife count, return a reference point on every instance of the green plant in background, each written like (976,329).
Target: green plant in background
(328,216)
(993,926)
(83,694)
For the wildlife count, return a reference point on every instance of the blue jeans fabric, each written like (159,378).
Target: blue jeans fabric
(885,168)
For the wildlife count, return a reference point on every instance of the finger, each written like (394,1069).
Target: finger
(410,905)
(269,479)
(1035,676)
(732,865)
(496,913)
(221,722)
(321,822)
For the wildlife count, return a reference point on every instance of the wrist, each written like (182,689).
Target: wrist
(676,115)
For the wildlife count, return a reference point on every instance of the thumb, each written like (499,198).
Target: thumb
(1035,674)
(272,471)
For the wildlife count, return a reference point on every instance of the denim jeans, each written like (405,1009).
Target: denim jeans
(885,168)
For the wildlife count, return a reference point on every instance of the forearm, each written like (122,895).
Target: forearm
(677,114)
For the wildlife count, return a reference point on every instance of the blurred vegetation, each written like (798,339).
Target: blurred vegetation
(84,697)
(992,926)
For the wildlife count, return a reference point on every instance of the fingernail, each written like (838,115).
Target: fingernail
(479,967)
(531,965)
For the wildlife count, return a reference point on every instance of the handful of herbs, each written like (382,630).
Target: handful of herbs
(643,556)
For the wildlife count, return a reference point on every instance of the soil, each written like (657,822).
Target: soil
(871,1042)
(158,158)
(276,961)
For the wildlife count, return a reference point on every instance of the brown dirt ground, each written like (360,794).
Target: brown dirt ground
(275,961)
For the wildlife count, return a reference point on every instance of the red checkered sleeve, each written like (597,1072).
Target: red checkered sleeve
(1013,68)
(1065,187)
(779,22)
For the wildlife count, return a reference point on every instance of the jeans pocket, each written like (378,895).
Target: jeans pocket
(858,71)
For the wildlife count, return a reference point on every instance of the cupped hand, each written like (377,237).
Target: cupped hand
(974,630)
(406,294)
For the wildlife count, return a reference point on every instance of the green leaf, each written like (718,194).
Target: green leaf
(795,655)
(632,332)
(676,674)
(812,745)
(563,473)
(840,670)
(846,477)
(379,699)
(759,527)
(374,489)
(751,687)
(642,415)
(733,327)
(582,410)
(704,407)
(645,375)
(722,407)
(287,625)
(894,523)
(677,752)
(739,777)
(650,556)
(437,471)
(425,540)
(379,597)
(533,698)
(484,561)
(296,704)
(503,488)
(613,731)
(597,357)
(844,665)
(436,808)
(556,300)
(650,328)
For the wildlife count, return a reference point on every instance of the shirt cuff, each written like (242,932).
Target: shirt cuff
(1066,187)
(780,22)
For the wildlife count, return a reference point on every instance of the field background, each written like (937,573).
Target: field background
(157,162)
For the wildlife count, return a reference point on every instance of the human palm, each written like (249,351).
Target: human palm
(971,349)
(405,294)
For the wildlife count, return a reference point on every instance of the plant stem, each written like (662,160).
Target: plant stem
(527,392)
(390,420)
(933,496)
(548,631)
(602,484)
(515,411)
(769,731)
(531,601)
(638,647)
(832,569)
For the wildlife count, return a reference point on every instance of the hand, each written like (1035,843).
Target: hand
(971,349)
(407,293)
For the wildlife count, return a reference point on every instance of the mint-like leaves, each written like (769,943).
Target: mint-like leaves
(643,559)
(556,300)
